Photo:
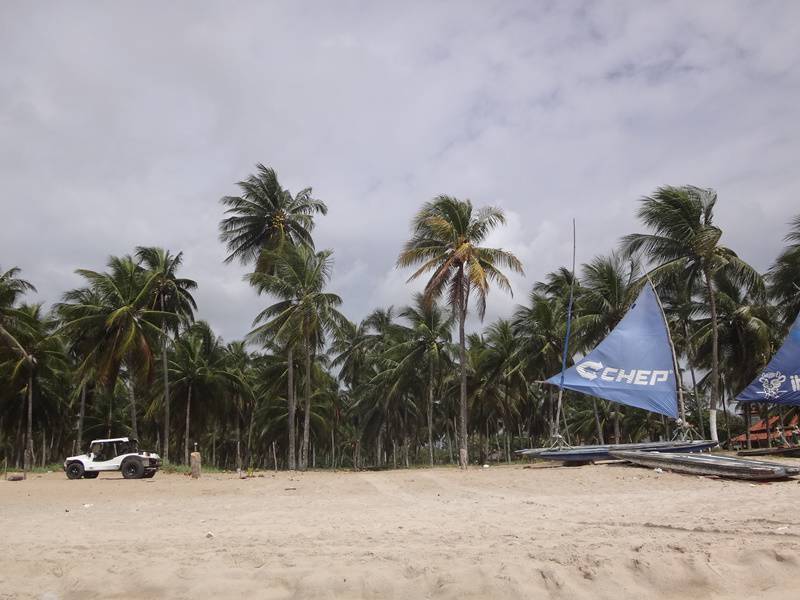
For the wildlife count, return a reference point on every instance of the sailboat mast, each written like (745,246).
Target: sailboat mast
(678,378)
(566,336)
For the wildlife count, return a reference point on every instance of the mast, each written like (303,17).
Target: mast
(566,337)
(678,378)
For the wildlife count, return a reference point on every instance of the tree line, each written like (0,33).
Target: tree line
(124,353)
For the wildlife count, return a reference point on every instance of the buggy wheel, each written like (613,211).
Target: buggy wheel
(74,470)
(132,469)
(91,474)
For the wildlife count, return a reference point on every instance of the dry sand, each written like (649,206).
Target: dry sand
(606,531)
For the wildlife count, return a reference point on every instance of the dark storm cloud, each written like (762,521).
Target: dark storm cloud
(123,124)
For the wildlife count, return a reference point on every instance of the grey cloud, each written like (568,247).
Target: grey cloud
(123,124)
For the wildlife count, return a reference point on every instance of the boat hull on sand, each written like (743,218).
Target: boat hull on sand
(708,464)
(793,451)
(585,454)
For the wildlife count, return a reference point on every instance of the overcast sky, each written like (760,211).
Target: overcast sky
(122,124)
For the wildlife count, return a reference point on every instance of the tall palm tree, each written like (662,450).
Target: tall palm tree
(170,294)
(11,289)
(304,315)
(445,241)
(685,240)
(425,342)
(784,275)
(265,217)
(123,327)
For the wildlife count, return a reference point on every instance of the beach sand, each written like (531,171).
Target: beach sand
(603,531)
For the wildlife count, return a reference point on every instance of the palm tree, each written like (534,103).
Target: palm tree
(685,240)
(784,275)
(425,342)
(199,370)
(265,217)
(170,294)
(119,321)
(11,289)
(446,238)
(305,314)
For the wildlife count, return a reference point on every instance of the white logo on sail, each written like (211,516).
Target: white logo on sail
(796,383)
(591,370)
(771,383)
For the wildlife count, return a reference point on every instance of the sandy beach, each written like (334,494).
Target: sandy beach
(607,531)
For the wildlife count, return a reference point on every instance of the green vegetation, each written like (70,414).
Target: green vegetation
(123,354)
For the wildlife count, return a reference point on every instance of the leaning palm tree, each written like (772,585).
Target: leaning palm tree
(304,316)
(170,294)
(265,217)
(445,241)
(12,288)
(685,240)
(784,275)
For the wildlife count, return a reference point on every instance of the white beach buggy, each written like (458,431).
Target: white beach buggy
(116,454)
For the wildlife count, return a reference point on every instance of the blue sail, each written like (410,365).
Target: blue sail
(633,365)
(779,382)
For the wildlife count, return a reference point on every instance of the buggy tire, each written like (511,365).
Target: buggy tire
(149,474)
(132,469)
(91,474)
(74,470)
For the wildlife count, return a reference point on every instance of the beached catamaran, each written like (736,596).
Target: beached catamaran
(778,383)
(634,365)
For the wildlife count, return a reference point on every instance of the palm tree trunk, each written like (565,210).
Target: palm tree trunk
(292,409)
(134,428)
(81,415)
(698,406)
(238,441)
(165,368)
(463,455)
(616,426)
(306,412)
(250,436)
(188,415)
(430,411)
(712,405)
(28,459)
(597,423)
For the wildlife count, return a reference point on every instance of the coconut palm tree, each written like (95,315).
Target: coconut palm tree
(265,217)
(424,342)
(784,275)
(199,370)
(685,240)
(304,315)
(171,294)
(119,321)
(445,241)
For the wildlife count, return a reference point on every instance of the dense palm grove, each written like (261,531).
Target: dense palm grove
(124,354)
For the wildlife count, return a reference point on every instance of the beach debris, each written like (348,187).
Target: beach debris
(289,489)
(88,505)
(15,477)
(210,534)
(485,466)
(658,470)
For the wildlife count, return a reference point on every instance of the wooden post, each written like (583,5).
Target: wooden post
(747,424)
(195,461)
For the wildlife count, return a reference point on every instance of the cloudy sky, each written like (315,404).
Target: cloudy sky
(122,124)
